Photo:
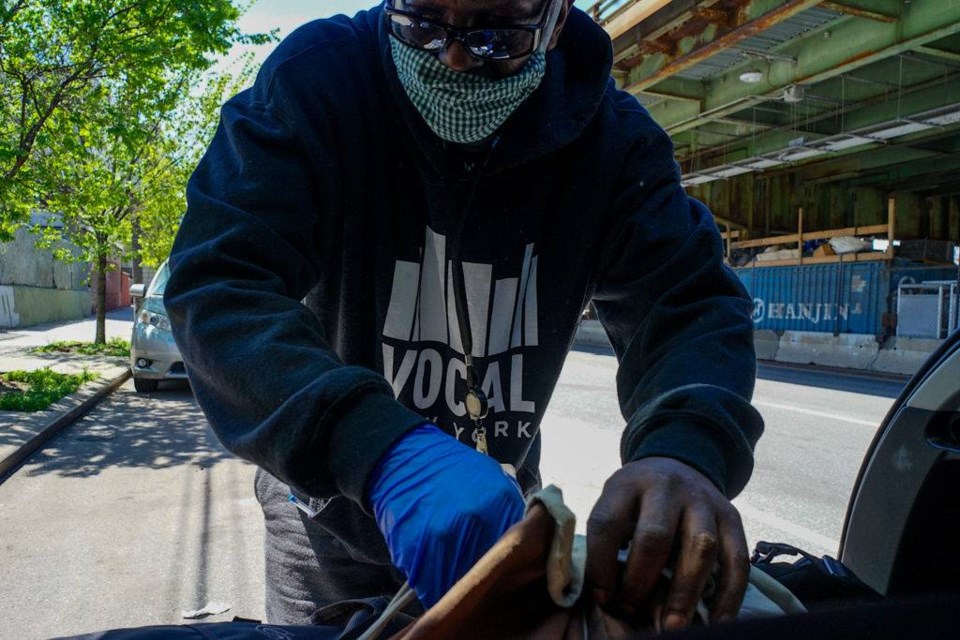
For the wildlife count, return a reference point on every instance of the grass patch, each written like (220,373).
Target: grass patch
(37,390)
(117,347)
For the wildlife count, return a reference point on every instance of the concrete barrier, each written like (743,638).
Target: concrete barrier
(861,352)
(767,344)
(904,355)
(848,350)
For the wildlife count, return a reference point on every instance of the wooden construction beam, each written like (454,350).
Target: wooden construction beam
(800,236)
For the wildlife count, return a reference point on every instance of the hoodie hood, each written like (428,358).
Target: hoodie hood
(577,77)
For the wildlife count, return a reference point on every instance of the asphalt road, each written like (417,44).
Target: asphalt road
(818,428)
(134,515)
(128,518)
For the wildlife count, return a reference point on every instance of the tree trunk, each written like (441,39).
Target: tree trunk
(101,275)
(137,273)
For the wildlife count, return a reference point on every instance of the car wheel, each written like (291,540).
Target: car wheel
(145,385)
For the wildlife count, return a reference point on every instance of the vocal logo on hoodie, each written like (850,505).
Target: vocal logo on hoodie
(422,349)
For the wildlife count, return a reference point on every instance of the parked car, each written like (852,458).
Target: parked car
(153,353)
(903,519)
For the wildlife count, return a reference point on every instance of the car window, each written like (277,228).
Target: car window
(159,281)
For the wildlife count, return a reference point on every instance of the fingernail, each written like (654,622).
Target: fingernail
(675,622)
(601,596)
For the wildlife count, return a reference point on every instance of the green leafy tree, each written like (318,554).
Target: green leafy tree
(87,184)
(174,155)
(54,53)
(122,166)
(98,121)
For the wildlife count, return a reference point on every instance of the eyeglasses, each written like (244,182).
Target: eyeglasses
(487,43)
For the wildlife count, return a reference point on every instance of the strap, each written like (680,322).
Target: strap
(404,597)
(767,552)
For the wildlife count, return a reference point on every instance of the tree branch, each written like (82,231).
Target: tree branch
(29,137)
(8,16)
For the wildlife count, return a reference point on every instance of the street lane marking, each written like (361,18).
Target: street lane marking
(750,512)
(820,414)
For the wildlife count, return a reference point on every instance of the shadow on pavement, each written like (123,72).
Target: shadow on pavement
(594,349)
(853,382)
(154,431)
(123,313)
(53,358)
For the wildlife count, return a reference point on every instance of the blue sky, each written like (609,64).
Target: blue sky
(287,15)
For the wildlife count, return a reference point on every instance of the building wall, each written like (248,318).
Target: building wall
(148,274)
(35,288)
(27,306)
(118,286)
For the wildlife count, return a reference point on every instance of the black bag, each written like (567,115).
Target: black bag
(345,620)
(819,583)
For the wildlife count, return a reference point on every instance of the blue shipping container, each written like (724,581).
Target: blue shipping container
(828,298)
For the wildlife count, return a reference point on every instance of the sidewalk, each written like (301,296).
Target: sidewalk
(22,432)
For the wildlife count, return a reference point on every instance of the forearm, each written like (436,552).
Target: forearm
(248,251)
(681,325)
(273,390)
(686,381)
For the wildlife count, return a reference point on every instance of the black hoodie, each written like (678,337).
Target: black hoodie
(311,281)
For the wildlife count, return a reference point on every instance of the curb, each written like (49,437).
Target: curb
(9,464)
(870,374)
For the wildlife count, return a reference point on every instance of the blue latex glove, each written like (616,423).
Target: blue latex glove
(441,506)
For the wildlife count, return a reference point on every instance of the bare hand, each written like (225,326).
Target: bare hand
(655,504)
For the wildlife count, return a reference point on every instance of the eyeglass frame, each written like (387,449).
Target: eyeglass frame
(547,19)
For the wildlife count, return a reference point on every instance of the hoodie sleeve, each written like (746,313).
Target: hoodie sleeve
(273,390)
(680,323)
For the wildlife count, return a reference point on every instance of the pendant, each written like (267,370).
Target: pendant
(476,404)
(480,435)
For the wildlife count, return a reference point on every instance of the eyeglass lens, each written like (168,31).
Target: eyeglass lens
(483,43)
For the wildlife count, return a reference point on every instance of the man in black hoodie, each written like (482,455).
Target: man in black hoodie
(382,267)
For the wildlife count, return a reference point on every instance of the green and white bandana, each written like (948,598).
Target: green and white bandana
(463,108)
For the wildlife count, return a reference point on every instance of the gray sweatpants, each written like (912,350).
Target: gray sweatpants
(308,567)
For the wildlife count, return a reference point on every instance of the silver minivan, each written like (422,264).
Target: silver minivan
(153,353)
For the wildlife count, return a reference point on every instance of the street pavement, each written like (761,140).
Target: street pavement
(129,518)
(819,426)
(135,514)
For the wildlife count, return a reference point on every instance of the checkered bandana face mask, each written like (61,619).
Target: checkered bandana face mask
(462,107)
